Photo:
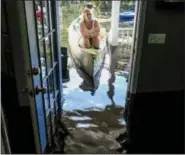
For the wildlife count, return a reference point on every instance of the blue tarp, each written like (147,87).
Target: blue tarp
(127,17)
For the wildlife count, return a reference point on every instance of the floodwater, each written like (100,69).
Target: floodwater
(94,122)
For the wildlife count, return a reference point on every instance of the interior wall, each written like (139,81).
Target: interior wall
(161,65)
(155,111)
(6,52)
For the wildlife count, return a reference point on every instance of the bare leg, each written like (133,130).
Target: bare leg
(96,42)
(85,43)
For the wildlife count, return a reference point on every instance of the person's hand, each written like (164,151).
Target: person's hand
(90,35)
(94,34)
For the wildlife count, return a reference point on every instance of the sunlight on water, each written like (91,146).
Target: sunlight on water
(104,77)
(122,121)
(76,118)
(75,98)
(94,121)
(82,125)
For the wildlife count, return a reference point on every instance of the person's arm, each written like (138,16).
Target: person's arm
(96,30)
(83,32)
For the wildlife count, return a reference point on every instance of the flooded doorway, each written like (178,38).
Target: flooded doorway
(95,118)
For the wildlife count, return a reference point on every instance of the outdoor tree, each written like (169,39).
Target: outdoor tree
(68,15)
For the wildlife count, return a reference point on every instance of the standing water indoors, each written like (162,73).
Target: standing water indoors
(95,123)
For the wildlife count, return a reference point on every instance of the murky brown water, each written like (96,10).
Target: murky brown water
(94,131)
(94,122)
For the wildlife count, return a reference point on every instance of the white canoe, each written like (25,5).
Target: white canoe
(88,62)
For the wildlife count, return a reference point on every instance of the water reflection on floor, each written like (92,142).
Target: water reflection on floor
(94,121)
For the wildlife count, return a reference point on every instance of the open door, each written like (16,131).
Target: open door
(32,91)
(45,69)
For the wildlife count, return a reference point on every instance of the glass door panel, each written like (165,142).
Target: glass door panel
(49,128)
(38,19)
(53,118)
(52,50)
(45,37)
(42,58)
(51,87)
(48,53)
(46,97)
(43,43)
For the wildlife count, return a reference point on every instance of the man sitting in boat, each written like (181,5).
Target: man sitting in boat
(89,29)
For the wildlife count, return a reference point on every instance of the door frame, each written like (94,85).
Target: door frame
(5,144)
(57,22)
(20,50)
(139,23)
(21,58)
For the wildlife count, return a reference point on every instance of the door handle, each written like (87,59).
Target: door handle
(40,90)
(34,71)
(35,92)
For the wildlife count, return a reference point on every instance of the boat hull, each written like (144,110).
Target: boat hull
(88,62)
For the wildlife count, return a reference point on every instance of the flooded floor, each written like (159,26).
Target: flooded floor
(94,122)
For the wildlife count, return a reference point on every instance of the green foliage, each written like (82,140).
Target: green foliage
(64,36)
(72,11)
(68,15)
(99,4)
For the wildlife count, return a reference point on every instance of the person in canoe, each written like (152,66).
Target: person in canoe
(89,29)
